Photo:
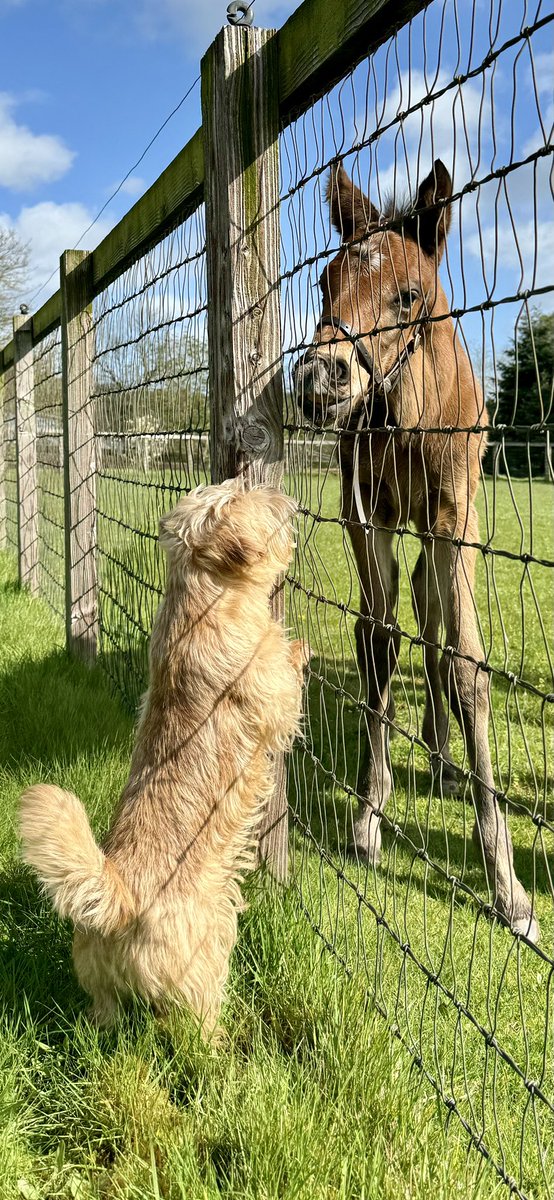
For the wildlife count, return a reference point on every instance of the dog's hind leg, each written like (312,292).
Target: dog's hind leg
(89,958)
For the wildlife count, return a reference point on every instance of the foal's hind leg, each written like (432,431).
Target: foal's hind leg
(435,730)
(377,641)
(467,690)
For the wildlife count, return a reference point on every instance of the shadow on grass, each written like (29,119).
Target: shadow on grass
(427,820)
(54,709)
(36,975)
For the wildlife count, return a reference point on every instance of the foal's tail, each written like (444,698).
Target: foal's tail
(80,880)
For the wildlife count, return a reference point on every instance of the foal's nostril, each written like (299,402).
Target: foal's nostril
(341,370)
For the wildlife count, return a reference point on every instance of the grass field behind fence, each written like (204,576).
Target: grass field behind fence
(475,968)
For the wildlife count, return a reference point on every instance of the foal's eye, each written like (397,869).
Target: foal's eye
(408,297)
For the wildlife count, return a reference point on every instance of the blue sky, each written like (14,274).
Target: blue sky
(88,84)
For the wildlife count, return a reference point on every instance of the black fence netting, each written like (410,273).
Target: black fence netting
(417,303)
(419,408)
(152,422)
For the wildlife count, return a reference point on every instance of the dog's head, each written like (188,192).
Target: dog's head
(227,531)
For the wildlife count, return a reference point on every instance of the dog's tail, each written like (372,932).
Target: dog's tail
(81,881)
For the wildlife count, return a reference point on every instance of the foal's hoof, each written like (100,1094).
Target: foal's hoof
(527,928)
(525,925)
(446,778)
(368,855)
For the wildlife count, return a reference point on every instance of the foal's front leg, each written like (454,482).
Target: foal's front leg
(467,690)
(377,642)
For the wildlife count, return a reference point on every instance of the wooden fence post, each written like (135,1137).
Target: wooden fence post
(26,453)
(240,110)
(3,518)
(81,591)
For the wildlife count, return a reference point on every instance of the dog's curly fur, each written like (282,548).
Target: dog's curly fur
(155,909)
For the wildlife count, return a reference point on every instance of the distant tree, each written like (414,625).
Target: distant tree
(14,261)
(523,393)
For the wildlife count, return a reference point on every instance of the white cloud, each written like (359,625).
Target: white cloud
(544,72)
(27,158)
(524,255)
(452,127)
(49,229)
(133,186)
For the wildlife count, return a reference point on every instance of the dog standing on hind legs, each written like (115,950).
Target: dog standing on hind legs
(155,909)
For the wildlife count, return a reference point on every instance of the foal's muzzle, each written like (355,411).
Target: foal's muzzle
(321,384)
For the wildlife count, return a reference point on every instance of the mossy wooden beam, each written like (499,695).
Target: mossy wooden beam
(42,323)
(323,39)
(47,318)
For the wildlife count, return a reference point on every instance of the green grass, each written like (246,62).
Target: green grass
(310,1095)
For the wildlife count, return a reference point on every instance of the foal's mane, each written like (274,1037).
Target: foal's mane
(395,214)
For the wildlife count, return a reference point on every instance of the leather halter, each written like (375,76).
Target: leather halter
(383,383)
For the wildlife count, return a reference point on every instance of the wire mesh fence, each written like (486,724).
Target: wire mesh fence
(418,415)
(388,546)
(50,480)
(152,422)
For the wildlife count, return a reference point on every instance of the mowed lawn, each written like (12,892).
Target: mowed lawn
(310,1094)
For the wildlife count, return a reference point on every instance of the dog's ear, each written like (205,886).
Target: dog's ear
(251,527)
(224,529)
(225,543)
(170,530)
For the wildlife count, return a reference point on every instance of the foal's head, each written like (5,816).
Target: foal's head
(377,292)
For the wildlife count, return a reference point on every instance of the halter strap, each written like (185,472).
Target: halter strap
(384,383)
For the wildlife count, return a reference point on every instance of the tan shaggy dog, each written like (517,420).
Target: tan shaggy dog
(155,909)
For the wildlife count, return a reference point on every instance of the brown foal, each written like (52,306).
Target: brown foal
(388,369)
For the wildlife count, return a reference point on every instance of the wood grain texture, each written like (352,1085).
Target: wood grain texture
(26,454)
(3,538)
(81,589)
(239,106)
(241,193)
(324,39)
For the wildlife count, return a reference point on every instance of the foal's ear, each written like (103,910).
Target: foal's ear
(351,211)
(429,227)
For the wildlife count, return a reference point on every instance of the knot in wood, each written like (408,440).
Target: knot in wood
(251,435)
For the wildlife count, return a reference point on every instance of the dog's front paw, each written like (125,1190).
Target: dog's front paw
(301,652)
